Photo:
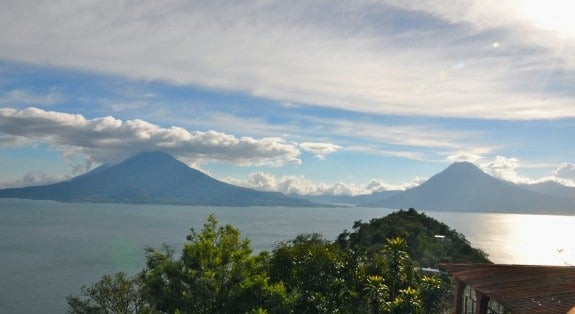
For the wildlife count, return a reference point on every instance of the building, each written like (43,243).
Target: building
(492,288)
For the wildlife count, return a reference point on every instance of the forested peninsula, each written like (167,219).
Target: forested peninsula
(381,266)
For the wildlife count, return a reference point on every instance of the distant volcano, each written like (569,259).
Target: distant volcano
(464,187)
(156,178)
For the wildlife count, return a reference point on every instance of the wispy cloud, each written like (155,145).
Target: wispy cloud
(535,17)
(27,97)
(377,151)
(402,139)
(320,150)
(396,139)
(440,61)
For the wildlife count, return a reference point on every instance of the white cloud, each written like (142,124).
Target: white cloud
(348,55)
(565,171)
(108,139)
(375,186)
(506,168)
(464,156)
(319,149)
(500,167)
(285,184)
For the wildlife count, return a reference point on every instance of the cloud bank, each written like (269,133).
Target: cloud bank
(107,139)
(292,184)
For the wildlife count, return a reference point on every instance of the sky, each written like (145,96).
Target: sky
(308,97)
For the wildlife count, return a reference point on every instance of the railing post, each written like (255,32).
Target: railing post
(458,297)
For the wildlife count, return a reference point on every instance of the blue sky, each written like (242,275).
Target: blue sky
(303,96)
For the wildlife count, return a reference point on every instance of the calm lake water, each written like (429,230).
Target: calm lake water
(49,249)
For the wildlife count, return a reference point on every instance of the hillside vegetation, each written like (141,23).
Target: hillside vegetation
(429,242)
(374,269)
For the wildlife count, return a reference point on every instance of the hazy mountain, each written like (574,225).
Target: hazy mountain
(152,178)
(553,189)
(463,187)
(350,200)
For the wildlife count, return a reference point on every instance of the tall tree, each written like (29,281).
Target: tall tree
(216,273)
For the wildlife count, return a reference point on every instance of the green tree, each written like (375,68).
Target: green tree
(377,295)
(216,273)
(316,269)
(111,294)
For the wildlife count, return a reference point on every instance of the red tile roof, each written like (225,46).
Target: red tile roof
(521,288)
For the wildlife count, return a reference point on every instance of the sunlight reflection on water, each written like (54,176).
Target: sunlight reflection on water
(517,238)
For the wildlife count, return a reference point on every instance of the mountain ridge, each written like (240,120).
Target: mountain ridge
(158,178)
(464,187)
(153,177)
(552,188)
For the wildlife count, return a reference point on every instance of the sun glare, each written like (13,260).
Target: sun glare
(536,240)
(550,15)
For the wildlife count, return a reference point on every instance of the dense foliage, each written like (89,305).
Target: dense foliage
(429,242)
(368,271)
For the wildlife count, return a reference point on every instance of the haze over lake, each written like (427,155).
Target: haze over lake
(51,249)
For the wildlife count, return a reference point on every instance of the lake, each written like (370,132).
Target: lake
(51,249)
